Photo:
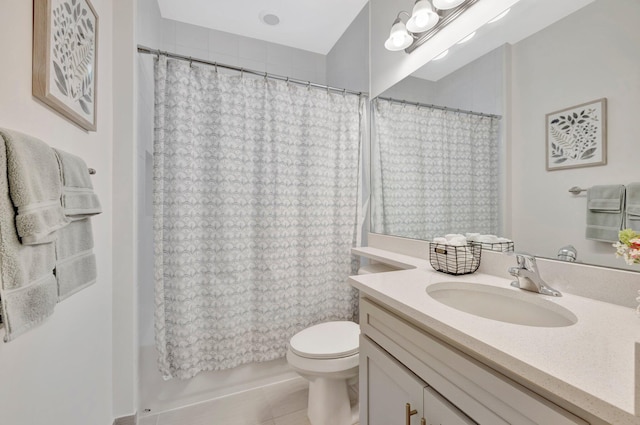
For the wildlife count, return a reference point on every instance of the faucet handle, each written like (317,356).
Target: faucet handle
(525,260)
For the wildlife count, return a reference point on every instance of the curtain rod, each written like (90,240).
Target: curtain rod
(442,108)
(147,50)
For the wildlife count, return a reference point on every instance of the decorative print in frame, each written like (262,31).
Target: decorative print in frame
(65,42)
(577,136)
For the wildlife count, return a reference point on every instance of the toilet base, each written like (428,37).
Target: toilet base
(329,402)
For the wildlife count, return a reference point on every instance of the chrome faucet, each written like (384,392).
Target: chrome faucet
(528,278)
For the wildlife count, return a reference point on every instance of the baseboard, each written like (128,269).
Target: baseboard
(125,420)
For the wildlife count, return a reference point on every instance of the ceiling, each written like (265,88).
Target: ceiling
(309,25)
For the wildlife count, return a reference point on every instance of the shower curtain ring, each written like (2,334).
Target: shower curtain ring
(216,65)
(241,72)
(190,61)
(308,85)
(344,92)
(265,76)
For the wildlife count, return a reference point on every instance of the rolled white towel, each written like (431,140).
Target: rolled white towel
(504,240)
(440,240)
(453,236)
(457,241)
(472,236)
(488,239)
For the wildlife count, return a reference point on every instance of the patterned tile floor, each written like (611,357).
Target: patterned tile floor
(284,403)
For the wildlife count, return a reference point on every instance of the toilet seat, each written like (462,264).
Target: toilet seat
(330,340)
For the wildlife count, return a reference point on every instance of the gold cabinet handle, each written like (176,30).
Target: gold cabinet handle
(409,413)
(423,421)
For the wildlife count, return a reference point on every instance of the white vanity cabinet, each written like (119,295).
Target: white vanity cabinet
(402,363)
(395,395)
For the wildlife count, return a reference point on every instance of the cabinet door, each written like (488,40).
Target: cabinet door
(438,411)
(386,386)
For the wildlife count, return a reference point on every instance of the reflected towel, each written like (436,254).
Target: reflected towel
(605,207)
(34,186)
(633,207)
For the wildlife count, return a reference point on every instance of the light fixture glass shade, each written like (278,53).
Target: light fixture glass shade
(399,38)
(423,17)
(447,4)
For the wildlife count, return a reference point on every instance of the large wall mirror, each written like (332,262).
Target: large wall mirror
(476,162)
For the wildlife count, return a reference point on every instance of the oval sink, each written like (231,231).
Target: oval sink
(501,304)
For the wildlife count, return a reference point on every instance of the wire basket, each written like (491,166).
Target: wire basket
(455,260)
(498,246)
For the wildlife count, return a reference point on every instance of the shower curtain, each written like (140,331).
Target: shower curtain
(437,171)
(255,207)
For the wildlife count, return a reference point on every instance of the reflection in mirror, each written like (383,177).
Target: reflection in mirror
(436,170)
(538,59)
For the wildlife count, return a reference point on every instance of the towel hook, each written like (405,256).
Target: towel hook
(92,171)
(577,190)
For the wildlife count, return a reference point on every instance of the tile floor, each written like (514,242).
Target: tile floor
(283,403)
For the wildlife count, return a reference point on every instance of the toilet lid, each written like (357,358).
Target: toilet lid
(327,340)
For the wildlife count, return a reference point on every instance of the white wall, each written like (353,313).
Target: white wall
(589,55)
(348,60)
(61,371)
(477,86)
(244,52)
(125,352)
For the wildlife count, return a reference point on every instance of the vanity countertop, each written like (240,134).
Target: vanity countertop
(591,364)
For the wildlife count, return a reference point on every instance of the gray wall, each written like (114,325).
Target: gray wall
(348,60)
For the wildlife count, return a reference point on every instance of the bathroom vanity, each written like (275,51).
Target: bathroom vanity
(425,362)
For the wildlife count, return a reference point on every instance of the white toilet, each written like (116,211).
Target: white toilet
(327,356)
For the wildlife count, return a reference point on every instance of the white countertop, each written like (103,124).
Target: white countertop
(591,364)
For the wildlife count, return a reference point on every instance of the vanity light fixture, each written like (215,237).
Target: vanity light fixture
(426,19)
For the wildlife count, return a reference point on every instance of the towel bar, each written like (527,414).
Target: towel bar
(577,190)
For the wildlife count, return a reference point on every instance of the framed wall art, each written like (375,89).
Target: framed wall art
(577,136)
(65,55)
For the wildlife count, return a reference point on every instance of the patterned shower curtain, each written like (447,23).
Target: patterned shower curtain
(437,172)
(255,197)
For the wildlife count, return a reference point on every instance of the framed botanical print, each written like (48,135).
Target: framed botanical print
(65,55)
(577,136)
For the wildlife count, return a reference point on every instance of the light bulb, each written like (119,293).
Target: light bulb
(500,16)
(467,38)
(441,55)
(397,40)
(447,4)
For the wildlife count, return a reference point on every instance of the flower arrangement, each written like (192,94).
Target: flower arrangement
(628,247)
